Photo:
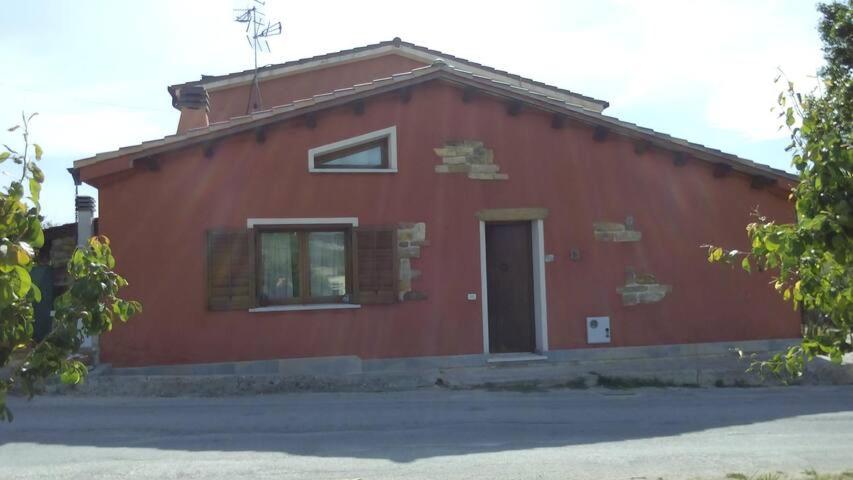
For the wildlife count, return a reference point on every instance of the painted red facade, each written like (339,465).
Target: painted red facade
(157,222)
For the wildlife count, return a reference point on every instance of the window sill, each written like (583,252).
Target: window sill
(290,308)
(352,170)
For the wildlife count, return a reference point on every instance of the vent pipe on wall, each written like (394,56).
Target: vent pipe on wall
(85,217)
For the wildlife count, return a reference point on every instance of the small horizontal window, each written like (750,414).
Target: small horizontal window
(370,155)
(371,152)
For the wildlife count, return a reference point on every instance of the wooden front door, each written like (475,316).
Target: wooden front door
(509,280)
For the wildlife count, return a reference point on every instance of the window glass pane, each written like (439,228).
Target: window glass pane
(279,265)
(328,264)
(370,157)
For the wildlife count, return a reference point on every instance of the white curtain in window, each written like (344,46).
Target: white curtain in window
(328,263)
(279,265)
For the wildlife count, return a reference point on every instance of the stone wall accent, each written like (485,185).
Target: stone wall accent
(642,288)
(616,232)
(410,237)
(470,157)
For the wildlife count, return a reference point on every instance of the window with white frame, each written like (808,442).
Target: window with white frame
(372,152)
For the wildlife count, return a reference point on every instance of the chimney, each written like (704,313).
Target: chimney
(85,217)
(194,105)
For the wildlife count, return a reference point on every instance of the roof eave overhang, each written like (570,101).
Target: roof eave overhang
(484,85)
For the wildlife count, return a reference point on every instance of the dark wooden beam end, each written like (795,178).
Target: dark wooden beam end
(152,164)
(557,121)
(599,134)
(311,121)
(760,181)
(722,170)
(209,149)
(358,107)
(260,135)
(468,94)
(513,108)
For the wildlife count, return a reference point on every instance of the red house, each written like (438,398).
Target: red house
(394,201)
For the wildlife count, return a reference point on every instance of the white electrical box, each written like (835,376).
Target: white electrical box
(597,329)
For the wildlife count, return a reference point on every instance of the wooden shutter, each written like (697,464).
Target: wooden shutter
(229,270)
(376,264)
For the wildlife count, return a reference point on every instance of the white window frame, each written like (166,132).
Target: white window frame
(390,133)
(254,222)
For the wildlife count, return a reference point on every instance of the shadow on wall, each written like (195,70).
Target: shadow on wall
(406,426)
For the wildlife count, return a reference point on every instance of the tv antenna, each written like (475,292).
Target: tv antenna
(258,29)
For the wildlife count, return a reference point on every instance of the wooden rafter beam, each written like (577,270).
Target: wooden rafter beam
(260,135)
(468,94)
(760,181)
(209,149)
(722,170)
(358,107)
(599,133)
(513,108)
(557,121)
(152,163)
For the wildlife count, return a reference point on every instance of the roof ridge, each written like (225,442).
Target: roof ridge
(396,42)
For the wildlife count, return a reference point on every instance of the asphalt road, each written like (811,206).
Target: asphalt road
(565,434)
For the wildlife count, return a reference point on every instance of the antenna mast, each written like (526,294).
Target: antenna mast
(257,33)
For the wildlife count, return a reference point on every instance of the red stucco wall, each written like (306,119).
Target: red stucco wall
(233,101)
(157,222)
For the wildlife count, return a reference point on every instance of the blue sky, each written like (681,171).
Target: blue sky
(97,71)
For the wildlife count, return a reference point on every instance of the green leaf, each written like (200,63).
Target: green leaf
(771,244)
(38,175)
(35,190)
(715,254)
(39,151)
(745,265)
(70,377)
(25,282)
(4,156)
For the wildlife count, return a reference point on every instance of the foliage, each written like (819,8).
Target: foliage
(89,306)
(813,258)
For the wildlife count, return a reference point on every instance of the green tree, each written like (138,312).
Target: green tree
(812,259)
(89,307)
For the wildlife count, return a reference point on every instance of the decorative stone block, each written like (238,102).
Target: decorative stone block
(642,288)
(453,168)
(616,232)
(488,176)
(484,168)
(410,238)
(470,157)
